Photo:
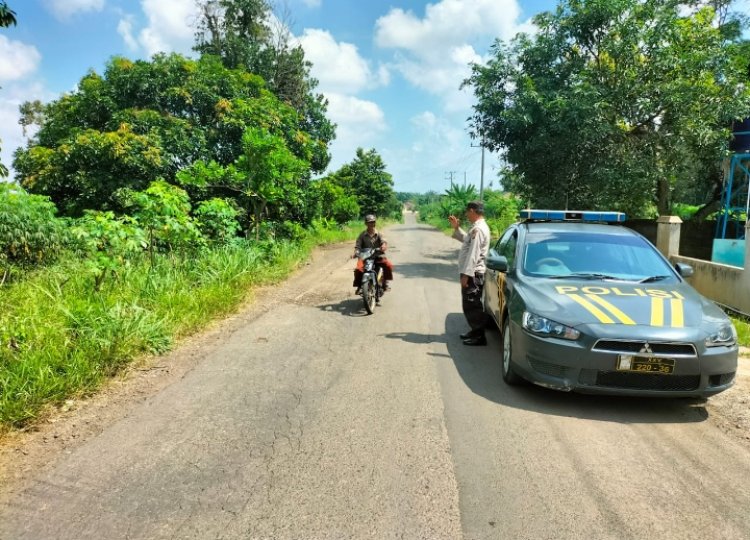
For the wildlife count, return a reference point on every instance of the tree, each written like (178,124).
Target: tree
(241,34)
(146,120)
(611,104)
(334,202)
(265,178)
(367,179)
(7,15)
(456,199)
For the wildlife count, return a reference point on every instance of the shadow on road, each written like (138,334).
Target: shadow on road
(351,307)
(435,270)
(451,256)
(479,368)
(413,337)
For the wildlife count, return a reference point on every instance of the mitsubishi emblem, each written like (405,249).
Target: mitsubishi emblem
(646,349)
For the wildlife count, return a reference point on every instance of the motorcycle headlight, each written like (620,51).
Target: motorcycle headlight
(542,326)
(722,336)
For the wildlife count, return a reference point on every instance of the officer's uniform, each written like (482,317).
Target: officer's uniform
(472,262)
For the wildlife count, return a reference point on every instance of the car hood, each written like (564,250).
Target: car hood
(573,302)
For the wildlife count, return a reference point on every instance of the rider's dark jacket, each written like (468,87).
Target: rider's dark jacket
(365,241)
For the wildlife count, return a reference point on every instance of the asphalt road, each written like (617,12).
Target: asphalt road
(314,420)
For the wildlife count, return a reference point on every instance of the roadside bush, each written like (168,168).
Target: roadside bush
(30,233)
(107,244)
(163,211)
(217,220)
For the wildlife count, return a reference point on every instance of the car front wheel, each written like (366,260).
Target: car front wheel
(509,375)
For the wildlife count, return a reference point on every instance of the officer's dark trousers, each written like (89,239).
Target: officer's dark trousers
(471,299)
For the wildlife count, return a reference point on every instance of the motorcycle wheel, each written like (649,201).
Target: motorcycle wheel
(369,295)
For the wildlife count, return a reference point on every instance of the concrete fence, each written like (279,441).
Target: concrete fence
(724,284)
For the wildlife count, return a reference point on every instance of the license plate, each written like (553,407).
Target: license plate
(642,364)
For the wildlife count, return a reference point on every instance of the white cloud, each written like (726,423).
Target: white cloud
(448,22)
(439,147)
(170,26)
(434,52)
(64,9)
(11,134)
(338,65)
(125,29)
(17,59)
(359,124)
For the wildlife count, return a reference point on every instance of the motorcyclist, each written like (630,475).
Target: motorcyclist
(370,238)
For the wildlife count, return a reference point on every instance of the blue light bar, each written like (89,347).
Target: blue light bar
(572,215)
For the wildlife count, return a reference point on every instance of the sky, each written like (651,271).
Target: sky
(390,69)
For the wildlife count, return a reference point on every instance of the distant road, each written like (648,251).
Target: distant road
(312,420)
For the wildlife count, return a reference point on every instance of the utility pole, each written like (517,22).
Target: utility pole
(481,174)
(449,176)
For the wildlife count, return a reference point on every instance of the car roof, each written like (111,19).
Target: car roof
(577,227)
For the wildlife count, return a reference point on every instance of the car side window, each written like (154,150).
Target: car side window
(506,246)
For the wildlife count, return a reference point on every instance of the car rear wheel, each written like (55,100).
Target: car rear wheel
(509,375)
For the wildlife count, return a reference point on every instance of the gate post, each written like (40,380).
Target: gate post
(668,235)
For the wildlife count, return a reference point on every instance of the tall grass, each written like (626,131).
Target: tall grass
(59,338)
(742,325)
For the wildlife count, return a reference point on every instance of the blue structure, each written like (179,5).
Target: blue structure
(730,198)
(729,245)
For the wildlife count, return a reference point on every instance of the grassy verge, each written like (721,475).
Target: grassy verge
(743,330)
(61,339)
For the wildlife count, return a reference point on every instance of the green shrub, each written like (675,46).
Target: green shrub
(30,233)
(217,220)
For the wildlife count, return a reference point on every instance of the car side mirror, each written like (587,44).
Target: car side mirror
(685,270)
(497,262)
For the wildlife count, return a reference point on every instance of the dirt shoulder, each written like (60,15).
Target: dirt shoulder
(730,410)
(61,429)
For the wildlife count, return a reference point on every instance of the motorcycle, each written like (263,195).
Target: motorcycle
(372,279)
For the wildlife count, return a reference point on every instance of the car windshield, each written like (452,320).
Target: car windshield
(595,256)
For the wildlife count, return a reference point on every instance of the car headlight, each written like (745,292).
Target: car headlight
(545,327)
(723,336)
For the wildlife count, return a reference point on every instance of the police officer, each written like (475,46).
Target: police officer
(471,267)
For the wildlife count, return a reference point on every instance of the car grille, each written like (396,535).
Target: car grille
(640,381)
(635,347)
(721,379)
(548,368)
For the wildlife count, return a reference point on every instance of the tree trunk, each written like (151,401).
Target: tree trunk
(663,204)
(714,203)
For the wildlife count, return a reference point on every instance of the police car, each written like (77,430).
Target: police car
(585,304)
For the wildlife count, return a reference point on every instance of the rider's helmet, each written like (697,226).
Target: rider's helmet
(370,218)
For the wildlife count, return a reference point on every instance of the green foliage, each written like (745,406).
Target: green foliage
(334,202)
(163,211)
(270,173)
(217,220)
(87,168)
(500,208)
(147,120)
(30,232)
(456,198)
(366,178)
(742,325)
(267,179)
(59,340)
(239,32)
(107,244)
(7,15)
(612,104)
